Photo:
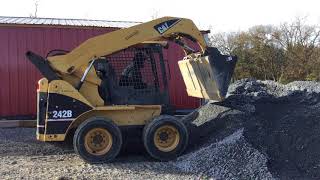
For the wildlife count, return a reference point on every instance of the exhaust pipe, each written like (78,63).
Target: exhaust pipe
(42,65)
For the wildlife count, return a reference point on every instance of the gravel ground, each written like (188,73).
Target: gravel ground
(263,130)
(22,157)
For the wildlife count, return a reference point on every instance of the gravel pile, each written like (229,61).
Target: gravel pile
(275,131)
(263,130)
(231,158)
(309,86)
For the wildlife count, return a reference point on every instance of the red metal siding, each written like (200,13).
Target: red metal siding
(19,77)
(178,95)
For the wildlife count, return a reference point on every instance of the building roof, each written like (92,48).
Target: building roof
(65,22)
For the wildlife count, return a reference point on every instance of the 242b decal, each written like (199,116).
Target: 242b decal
(62,114)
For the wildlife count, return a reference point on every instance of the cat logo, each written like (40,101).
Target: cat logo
(164,26)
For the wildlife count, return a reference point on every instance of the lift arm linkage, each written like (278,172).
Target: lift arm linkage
(164,28)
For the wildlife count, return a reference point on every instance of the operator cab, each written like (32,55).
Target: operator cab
(132,76)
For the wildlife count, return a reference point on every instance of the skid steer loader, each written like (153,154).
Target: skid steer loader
(117,81)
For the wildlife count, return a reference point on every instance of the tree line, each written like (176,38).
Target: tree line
(283,53)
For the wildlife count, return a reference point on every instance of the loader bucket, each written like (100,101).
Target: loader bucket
(208,76)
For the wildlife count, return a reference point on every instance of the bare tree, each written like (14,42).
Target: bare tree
(288,52)
(224,42)
(301,43)
(35,13)
(155,14)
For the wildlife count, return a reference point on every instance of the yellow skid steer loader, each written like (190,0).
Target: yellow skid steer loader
(117,81)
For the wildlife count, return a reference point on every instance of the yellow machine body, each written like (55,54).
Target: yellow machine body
(122,115)
(62,106)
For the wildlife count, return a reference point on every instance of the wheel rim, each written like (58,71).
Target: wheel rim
(98,141)
(166,138)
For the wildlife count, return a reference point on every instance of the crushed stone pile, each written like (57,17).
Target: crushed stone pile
(232,157)
(263,130)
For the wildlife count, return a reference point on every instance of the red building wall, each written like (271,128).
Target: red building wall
(19,77)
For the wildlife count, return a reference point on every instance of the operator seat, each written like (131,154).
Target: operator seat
(131,75)
(109,89)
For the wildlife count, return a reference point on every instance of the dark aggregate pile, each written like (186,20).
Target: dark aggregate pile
(275,132)
(231,158)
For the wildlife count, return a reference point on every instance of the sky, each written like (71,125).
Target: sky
(217,15)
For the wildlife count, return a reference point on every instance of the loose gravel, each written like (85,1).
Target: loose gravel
(22,157)
(263,130)
(279,137)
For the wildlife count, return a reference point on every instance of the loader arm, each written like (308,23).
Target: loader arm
(165,28)
(206,73)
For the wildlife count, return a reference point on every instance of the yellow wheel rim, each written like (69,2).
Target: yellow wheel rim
(166,138)
(98,141)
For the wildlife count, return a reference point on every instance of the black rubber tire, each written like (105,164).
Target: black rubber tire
(95,122)
(150,129)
